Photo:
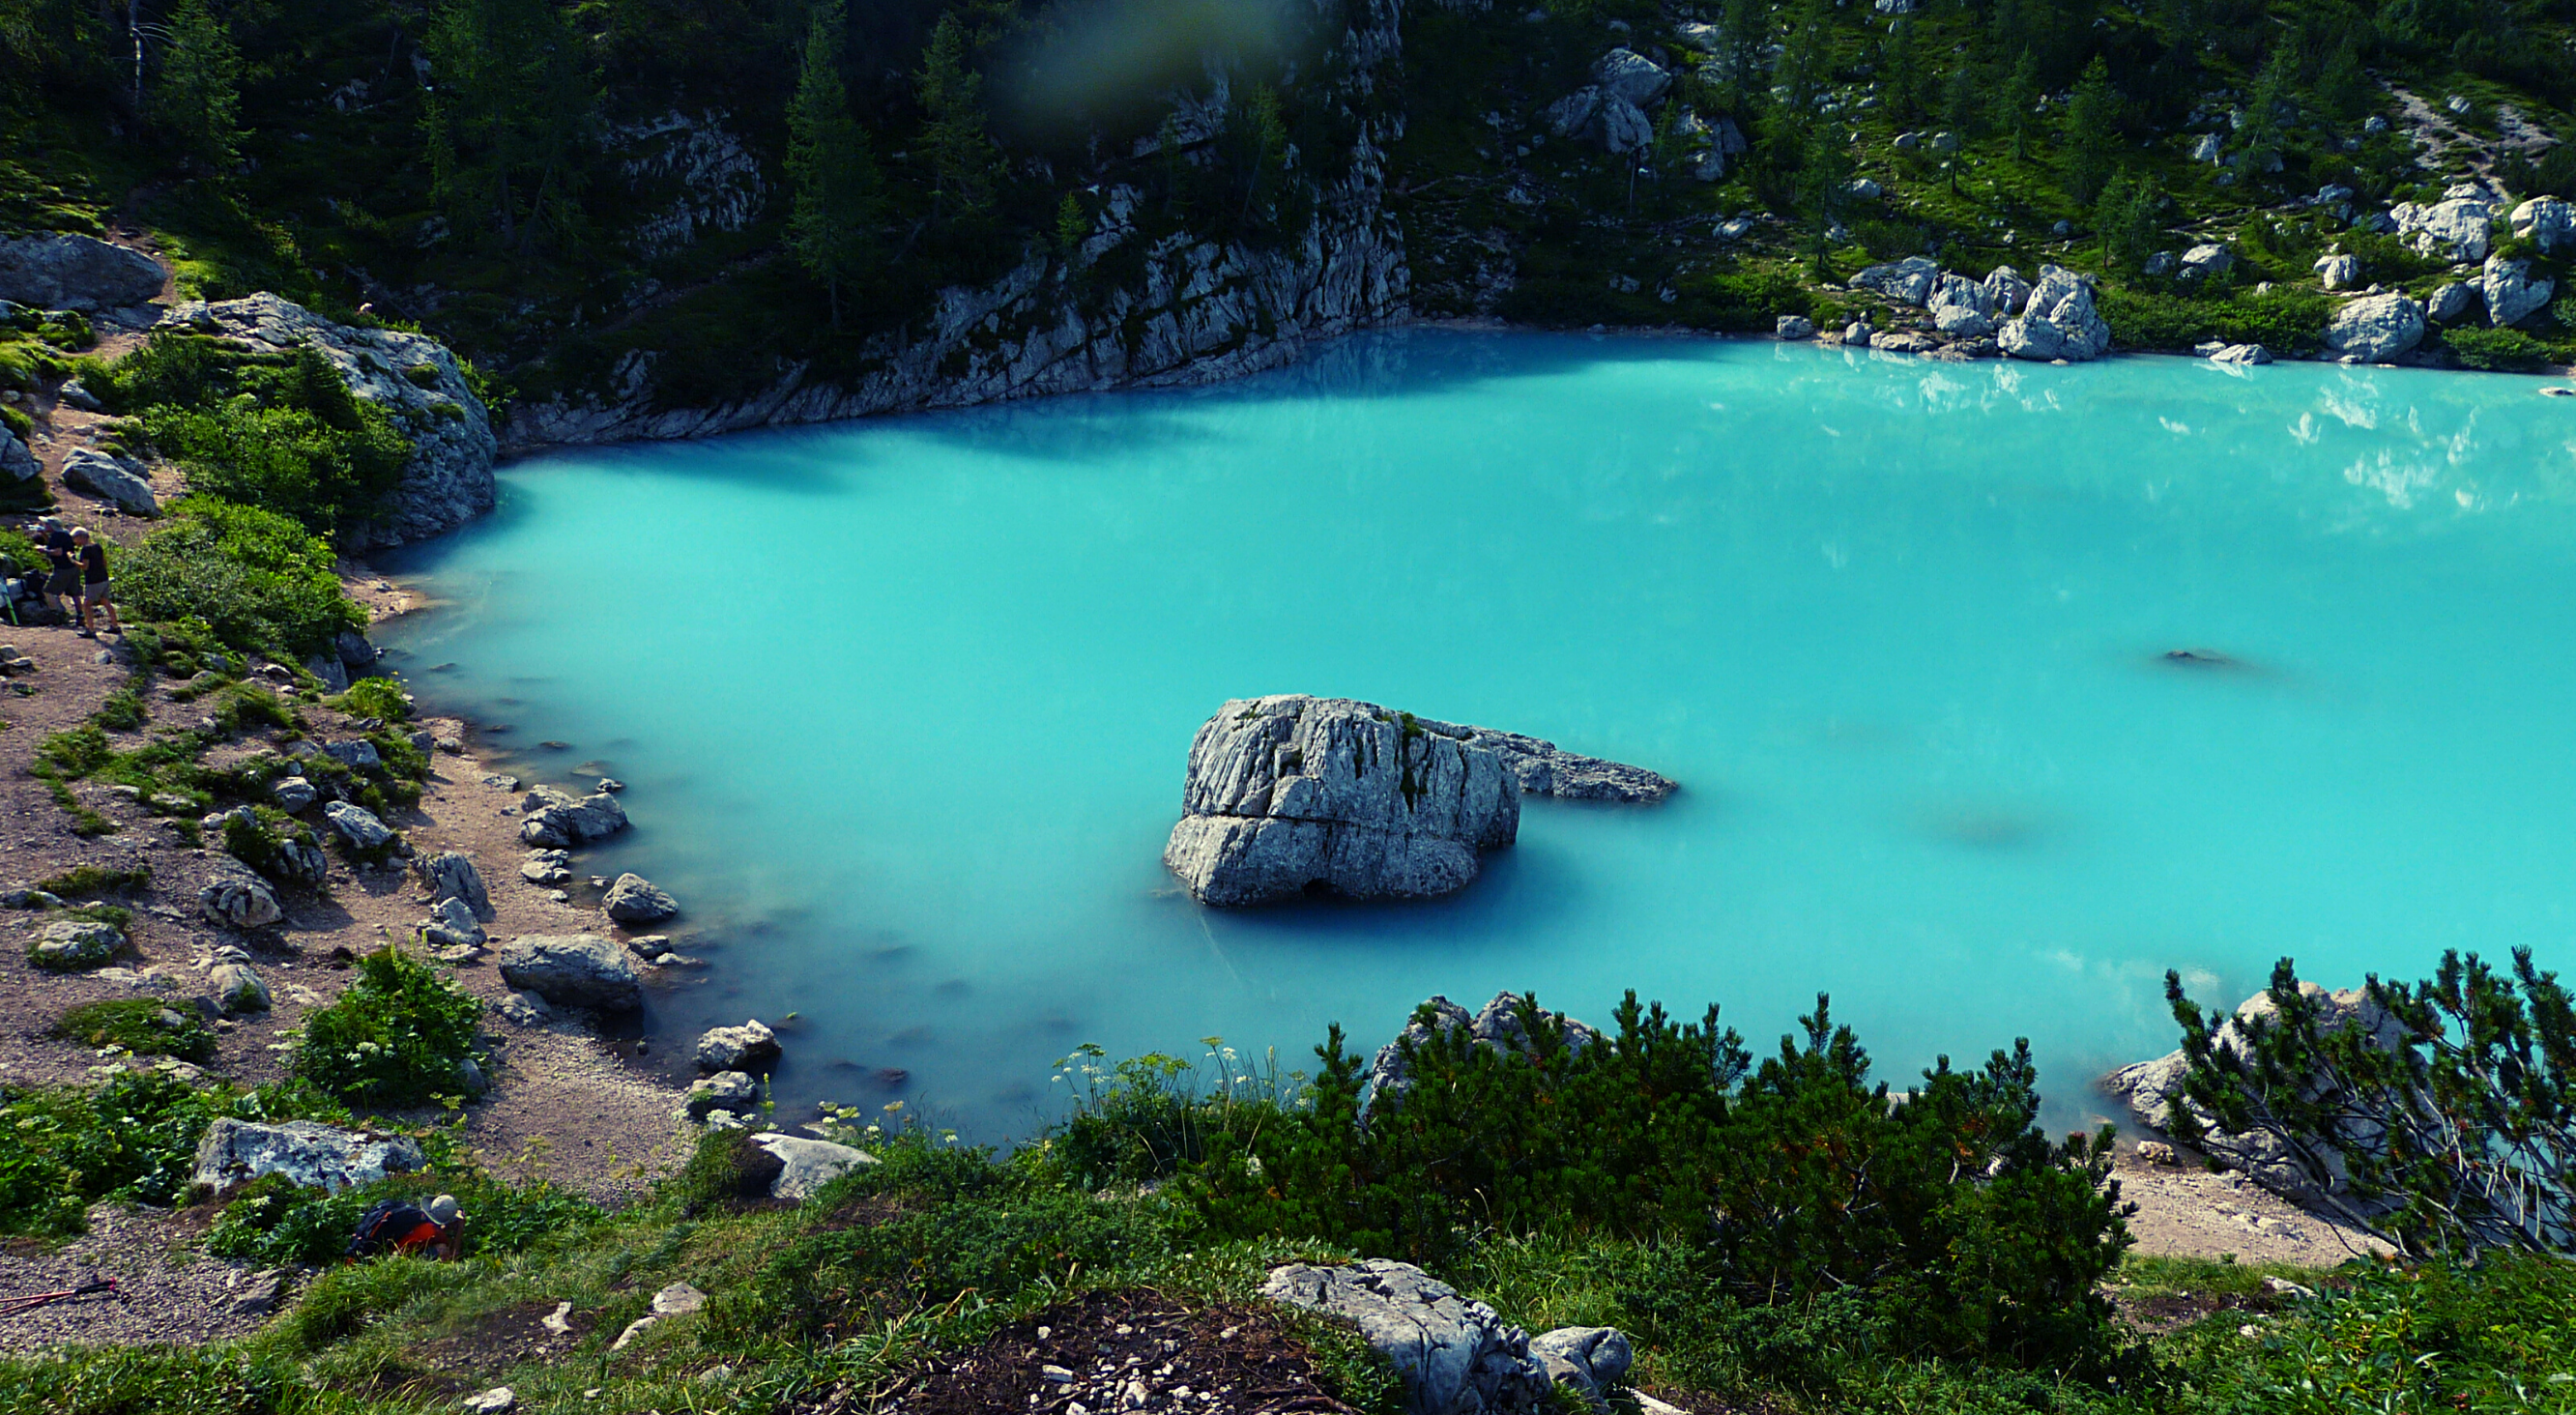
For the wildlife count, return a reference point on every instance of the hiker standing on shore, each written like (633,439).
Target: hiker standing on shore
(95,593)
(62,580)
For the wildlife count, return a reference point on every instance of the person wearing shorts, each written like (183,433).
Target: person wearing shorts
(62,578)
(94,592)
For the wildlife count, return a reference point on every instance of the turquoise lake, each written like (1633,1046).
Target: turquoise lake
(902,705)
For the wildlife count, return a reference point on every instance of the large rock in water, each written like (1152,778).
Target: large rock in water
(412,376)
(560,819)
(306,1152)
(1292,794)
(1455,1356)
(65,272)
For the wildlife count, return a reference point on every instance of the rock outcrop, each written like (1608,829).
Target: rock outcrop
(561,820)
(1497,1027)
(2372,328)
(110,479)
(2149,1088)
(1293,794)
(749,1047)
(358,826)
(448,480)
(67,272)
(1587,1360)
(1454,1355)
(2511,293)
(808,1165)
(574,970)
(234,895)
(1964,308)
(633,899)
(2453,229)
(306,1152)
(2059,321)
(1544,769)
(2547,220)
(1907,282)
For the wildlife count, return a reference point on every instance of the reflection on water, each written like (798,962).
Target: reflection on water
(902,705)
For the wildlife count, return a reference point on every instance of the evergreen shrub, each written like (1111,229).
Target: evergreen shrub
(398,1035)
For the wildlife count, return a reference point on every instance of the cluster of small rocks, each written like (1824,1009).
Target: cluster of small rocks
(1965,317)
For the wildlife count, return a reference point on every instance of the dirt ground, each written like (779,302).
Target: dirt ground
(2186,1211)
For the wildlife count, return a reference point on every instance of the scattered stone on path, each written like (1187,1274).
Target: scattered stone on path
(453,926)
(450,874)
(236,896)
(499,1400)
(522,1008)
(357,825)
(292,794)
(546,867)
(237,988)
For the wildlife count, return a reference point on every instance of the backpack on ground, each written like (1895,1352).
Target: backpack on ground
(383,1222)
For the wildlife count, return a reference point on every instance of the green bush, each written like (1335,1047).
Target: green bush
(281,432)
(272,1221)
(380,698)
(396,1036)
(145,1026)
(91,879)
(257,579)
(2285,321)
(134,1138)
(2496,349)
(1785,1182)
(122,712)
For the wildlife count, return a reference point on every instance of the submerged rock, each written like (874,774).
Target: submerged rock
(1292,794)
(634,899)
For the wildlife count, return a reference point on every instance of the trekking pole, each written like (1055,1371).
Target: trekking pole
(12,1306)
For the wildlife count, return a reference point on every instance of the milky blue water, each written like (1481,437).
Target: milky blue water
(903,704)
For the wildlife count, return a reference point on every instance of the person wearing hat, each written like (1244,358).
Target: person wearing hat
(63,576)
(437,1235)
(94,591)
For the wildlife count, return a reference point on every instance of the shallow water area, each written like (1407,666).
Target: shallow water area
(903,704)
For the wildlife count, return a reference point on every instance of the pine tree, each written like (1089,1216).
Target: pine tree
(2130,217)
(509,111)
(2015,100)
(838,193)
(1746,27)
(2261,136)
(962,157)
(2092,131)
(198,99)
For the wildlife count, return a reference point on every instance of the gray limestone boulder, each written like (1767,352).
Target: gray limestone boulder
(561,820)
(732,1091)
(292,794)
(1455,1356)
(236,896)
(67,272)
(574,970)
(2547,220)
(749,1047)
(237,987)
(357,825)
(522,1008)
(354,752)
(1589,1360)
(2453,229)
(1631,76)
(2511,293)
(306,1152)
(17,460)
(2011,291)
(1594,114)
(809,1164)
(452,924)
(2059,323)
(413,377)
(110,479)
(2150,1088)
(71,944)
(450,874)
(1497,1027)
(2338,272)
(546,867)
(2206,260)
(1293,794)
(1793,326)
(2375,327)
(2242,355)
(1545,769)
(633,899)
(1907,282)
(2451,302)
(1964,308)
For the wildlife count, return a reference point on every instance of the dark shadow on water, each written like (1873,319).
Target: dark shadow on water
(1515,889)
